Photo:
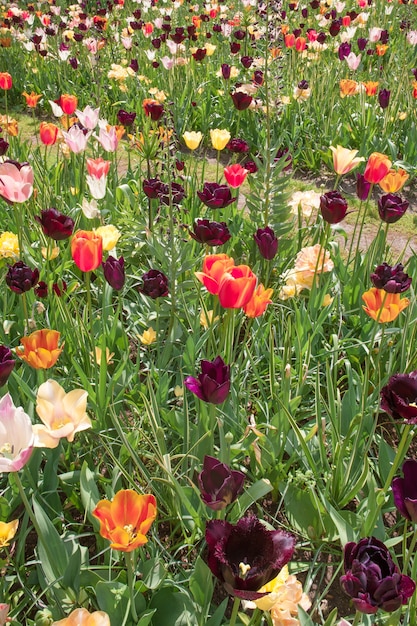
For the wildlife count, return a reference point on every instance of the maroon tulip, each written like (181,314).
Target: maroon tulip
(392,279)
(362,187)
(151,187)
(55,224)
(267,242)
(114,272)
(250,166)
(391,208)
(153,109)
(21,278)
(154,284)
(218,484)
(246,61)
(210,233)
(226,71)
(41,289)
(238,146)
(199,54)
(174,193)
(213,384)
(333,207)
(241,100)
(372,579)
(248,543)
(399,397)
(383,98)
(7,364)
(404,491)
(216,196)
(4,145)
(125,118)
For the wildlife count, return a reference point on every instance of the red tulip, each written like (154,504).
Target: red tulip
(87,250)
(235,175)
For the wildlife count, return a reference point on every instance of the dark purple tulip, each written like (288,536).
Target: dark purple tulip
(372,579)
(234,47)
(250,166)
(21,278)
(391,208)
(3,146)
(213,384)
(399,397)
(258,77)
(199,54)
(154,284)
(73,61)
(404,491)
(134,65)
(151,187)
(334,27)
(248,543)
(241,100)
(333,207)
(114,272)
(246,61)
(414,72)
(391,279)
(344,50)
(174,193)
(383,98)
(216,196)
(125,118)
(218,484)
(210,233)
(238,146)
(226,71)
(239,34)
(7,363)
(267,242)
(362,187)
(154,110)
(384,36)
(362,43)
(41,289)
(55,224)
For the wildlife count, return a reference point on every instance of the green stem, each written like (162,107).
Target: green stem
(411,551)
(235,610)
(358,618)
(131,578)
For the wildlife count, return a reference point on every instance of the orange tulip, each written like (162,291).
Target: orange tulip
(259,301)
(82,617)
(32,98)
(371,87)
(377,168)
(68,103)
(348,87)
(126,519)
(87,250)
(40,349)
(236,287)
(394,181)
(381,49)
(383,306)
(289,40)
(300,44)
(6,81)
(214,266)
(48,133)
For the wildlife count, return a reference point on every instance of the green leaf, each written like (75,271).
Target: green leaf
(252,494)
(153,572)
(172,607)
(201,583)
(146,617)
(304,618)
(216,618)
(52,553)
(113,599)
(89,492)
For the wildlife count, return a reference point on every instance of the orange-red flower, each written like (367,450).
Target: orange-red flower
(348,87)
(383,306)
(32,98)
(394,180)
(289,40)
(259,301)
(126,519)
(377,168)
(48,133)
(371,87)
(68,103)
(236,287)
(98,167)
(214,266)
(87,250)
(381,49)
(40,349)
(6,81)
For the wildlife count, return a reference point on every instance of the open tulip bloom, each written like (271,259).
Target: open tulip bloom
(16,436)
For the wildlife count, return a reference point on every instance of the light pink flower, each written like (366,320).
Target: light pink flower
(16,181)
(97,186)
(167,62)
(75,139)
(375,34)
(108,139)
(88,117)
(16,436)
(353,60)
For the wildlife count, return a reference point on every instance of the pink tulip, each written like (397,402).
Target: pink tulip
(98,167)
(235,175)
(16,181)
(88,117)
(75,139)
(16,436)
(108,139)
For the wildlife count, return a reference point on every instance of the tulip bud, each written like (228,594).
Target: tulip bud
(114,272)
(21,278)
(333,207)
(267,242)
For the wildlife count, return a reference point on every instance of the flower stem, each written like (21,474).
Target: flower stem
(357,620)
(235,610)
(130,568)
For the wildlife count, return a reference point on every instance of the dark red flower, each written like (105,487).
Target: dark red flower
(404,491)
(151,187)
(125,118)
(267,242)
(213,384)
(154,284)
(114,272)
(210,233)
(237,145)
(216,196)
(333,207)
(391,208)
(219,485)
(241,100)
(392,279)
(362,187)
(7,364)
(399,397)
(20,277)
(55,224)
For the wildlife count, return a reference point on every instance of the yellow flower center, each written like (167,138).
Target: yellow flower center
(131,531)
(244,569)
(7,450)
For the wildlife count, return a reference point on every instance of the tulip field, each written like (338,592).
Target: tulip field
(208,331)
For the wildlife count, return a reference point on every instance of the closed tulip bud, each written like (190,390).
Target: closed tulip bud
(213,384)
(267,242)
(6,81)
(154,284)
(226,71)
(405,491)
(241,100)
(21,278)
(210,233)
(4,145)
(192,139)
(383,98)
(391,208)
(362,187)
(391,279)
(68,103)
(114,272)
(218,484)
(48,133)
(87,250)
(333,207)
(7,364)
(55,224)
(216,196)
(235,175)
(219,138)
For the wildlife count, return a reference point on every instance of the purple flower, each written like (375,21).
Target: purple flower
(405,491)
(210,233)
(383,98)
(171,193)
(391,208)
(241,100)
(267,242)
(362,187)
(246,61)
(226,71)
(372,579)
(151,187)
(114,272)
(213,384)
(20,277)
(216,196)
(154,284)
(392,279)
(333,207)
(219,485)
(3,146)
(399,397)
(55,224)
(237,145)
(344,50)
(245,556)
(7,363)
(125,118)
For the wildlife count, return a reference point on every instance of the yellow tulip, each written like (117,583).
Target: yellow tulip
(219,138)
(192,139)
(7,532)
